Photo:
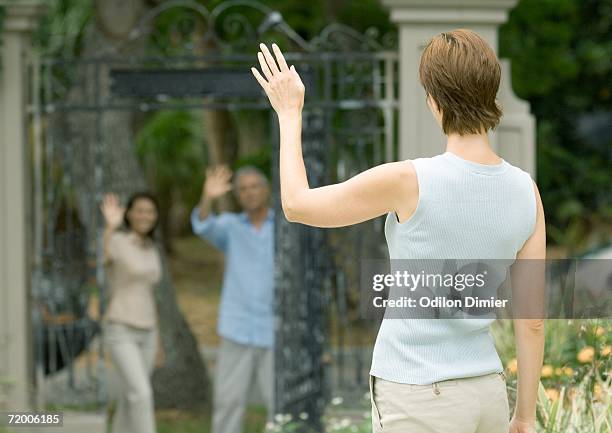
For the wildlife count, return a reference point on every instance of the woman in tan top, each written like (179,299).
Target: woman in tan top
(130,322)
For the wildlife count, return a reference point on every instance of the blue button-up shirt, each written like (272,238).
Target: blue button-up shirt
(247,311)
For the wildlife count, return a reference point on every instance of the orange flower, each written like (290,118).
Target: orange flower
(606,350)
(547,371)
(552,394)
(569,371)
(599,331)
(512,366)
(586,354)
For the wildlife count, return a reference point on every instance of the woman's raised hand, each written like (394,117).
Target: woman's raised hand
(113,212)
(282,83)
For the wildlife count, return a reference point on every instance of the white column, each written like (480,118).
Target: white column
(15,325)
(418,21)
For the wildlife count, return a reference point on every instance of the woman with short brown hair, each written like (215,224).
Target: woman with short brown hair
(433,375)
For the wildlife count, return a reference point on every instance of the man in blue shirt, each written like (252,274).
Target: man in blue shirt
(246,316)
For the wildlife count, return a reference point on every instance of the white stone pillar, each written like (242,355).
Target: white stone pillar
(418,21)
(15,325)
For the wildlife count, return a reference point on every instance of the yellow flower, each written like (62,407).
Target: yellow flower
(606,350)
(558,371)
(569,371)
(512,366)
(586,354)
(547,371)
(599,331)
(552,394)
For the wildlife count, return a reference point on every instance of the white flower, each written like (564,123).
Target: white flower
(336,401)
(272,427)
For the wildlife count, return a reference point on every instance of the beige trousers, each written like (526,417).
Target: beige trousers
(468,405)
(132,351)
(238,365)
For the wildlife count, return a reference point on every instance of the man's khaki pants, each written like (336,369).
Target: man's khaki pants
(237,365)
(468,405)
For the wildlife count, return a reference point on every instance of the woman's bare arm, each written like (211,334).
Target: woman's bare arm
(113,217)
(528,284)
(374,192)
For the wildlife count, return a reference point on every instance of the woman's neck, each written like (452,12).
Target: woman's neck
(141,237)
(473,147)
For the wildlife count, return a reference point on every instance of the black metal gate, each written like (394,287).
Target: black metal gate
(322,347)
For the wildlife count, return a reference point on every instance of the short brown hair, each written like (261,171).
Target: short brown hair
(460,71)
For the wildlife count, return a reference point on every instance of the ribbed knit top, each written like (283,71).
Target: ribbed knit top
(465,210)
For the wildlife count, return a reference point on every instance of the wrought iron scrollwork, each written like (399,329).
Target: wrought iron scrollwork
(237,25)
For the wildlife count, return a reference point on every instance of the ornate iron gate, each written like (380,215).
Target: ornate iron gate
(322,347)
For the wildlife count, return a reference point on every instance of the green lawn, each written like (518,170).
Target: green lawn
(186,422)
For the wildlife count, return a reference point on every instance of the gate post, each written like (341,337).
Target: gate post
(16,363)
(419,20)
(301,268)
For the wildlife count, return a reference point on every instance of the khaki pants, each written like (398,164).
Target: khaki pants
(237,365)
(468,405)
(133,353)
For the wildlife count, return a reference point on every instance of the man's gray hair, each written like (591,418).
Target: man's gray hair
(249,169)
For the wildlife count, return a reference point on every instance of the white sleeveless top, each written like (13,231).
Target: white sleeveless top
(465,210)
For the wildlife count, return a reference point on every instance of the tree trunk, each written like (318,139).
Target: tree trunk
(182,382)
(218,129)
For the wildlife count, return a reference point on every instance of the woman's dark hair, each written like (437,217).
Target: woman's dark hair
(142,195)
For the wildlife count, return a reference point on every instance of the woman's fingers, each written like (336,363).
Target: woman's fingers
(297,76)
(264,66)
(108,201)
(269,59)
(280,58)
(262,82)
(113,200)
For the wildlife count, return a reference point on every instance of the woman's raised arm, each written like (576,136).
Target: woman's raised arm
(374,192)
(113,217)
